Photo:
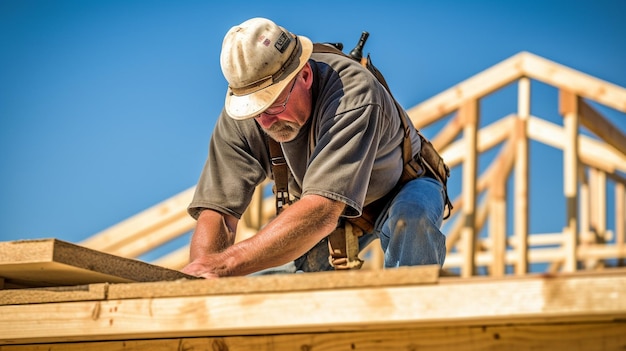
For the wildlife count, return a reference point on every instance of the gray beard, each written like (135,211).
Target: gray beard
(283,131)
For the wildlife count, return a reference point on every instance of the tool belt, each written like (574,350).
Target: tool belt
(427,163)
(343,241)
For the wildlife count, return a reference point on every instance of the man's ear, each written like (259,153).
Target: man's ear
(307,75)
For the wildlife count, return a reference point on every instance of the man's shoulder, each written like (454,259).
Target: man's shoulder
(333,59)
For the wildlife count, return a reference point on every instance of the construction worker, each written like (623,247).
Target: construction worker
(341,136)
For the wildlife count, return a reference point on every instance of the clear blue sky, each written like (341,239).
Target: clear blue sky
(106,107)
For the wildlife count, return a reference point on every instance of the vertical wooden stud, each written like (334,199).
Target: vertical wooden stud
(469,115)
(521,178)
(568,104)
(620,218)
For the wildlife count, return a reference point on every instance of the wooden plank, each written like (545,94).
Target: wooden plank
(500,171)
(602,127)
(542,255)
(469,114)
(176,259)
(447,135)
(521,201)
(154,221)
(52,262)
(233,285)
(332,280)
(598,202)
(488,137)
(620,217)
(523,64)
(578,83)
(156,236)
(452,302)
(53,294)
(535,337)
(473,88)
(592,152)
(568,107)
(497,230)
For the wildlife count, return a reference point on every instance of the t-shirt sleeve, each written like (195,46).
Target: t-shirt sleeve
(356,158)
(233,169)
(341,164)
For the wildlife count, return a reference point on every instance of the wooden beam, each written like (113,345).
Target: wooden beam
(497,231)
(568,107)
(520,201)
(157,224)
(469,114)
(592,152)
(520,65)
(176,259)
(451,303)
(88,292)
(156,236)
(620,217)
(600,126)
(542,239)
(524,337)
(543,255)
(598,201)
(52,262)
(578,83)
(473,88)
(487,138)
(500,167)
(500,172)
(280,283)
(446,135)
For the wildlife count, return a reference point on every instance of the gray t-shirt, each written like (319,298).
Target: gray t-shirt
(349,150)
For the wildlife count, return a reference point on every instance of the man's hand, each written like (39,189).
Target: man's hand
(298,228)
(202,268)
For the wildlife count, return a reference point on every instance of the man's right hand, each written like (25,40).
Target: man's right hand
(201,268)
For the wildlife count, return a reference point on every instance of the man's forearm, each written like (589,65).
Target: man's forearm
(297,229)
(213,234)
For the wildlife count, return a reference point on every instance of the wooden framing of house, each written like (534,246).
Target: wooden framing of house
(579,302)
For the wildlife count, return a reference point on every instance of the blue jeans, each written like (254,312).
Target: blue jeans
(408,229)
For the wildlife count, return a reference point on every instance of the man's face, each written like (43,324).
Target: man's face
(282,121)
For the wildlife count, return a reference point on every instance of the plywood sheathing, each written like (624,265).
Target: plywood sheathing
(523,337)
(562,301)
(90,292)
(402,276)
(52,262)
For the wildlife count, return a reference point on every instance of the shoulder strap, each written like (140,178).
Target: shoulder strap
(281,174)
(407,150)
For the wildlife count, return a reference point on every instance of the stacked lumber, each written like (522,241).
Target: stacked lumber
(408,308)
(53,262)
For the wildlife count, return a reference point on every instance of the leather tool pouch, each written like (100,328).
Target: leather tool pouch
(433,161)
(427,163)
(436,167)
(343,245)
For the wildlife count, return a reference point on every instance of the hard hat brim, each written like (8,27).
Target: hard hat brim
(247,106)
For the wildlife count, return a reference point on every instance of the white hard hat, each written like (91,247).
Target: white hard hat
(258,59)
